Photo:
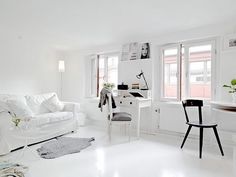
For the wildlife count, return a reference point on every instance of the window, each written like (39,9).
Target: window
(187,70)
(170,59)
(104,68)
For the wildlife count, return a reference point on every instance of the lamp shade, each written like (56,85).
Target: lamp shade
(139,75)
(61,66)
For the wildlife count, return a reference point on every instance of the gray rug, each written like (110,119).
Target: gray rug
(62,146)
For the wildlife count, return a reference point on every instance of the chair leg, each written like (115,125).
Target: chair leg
(121,130)
(186,135)
(200,142)
(125,128)
(129,130)
(109,130)
(218,140)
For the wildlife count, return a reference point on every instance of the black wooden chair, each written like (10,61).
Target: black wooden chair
(199,124)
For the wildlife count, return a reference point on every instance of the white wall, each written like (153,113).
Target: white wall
(27,65)
(74,77)
(129,69)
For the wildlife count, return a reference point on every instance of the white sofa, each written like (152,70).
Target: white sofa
(40,125)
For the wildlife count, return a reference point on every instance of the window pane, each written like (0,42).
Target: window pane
(170,73)
(182,70)
(101,73)
(93,77)
(200,71)
(108,70)
(113,70)
(196,72)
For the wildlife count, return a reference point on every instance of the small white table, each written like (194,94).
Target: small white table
(228,108)
(224,106)
(136,104)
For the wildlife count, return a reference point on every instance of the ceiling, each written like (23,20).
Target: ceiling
(87,23)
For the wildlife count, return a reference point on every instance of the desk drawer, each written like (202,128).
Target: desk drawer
(122,102)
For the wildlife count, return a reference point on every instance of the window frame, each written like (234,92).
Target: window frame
(171,46)
(186,45)
(97,62)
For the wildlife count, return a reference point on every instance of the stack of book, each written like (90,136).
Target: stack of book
(8,169)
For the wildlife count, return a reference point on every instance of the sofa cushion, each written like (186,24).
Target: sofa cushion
(35,102)
(121,116)
(19,108)
(48,118)
(53,104)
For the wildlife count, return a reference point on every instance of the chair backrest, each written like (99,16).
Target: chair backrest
(193,103)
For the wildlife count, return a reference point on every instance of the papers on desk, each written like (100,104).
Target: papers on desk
(135,93)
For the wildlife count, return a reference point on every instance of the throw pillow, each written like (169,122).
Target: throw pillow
(20,108)
(53,104)
(35,102)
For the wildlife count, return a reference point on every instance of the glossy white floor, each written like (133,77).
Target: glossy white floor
(151,156)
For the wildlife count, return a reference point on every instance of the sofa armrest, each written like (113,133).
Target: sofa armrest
(71,107)
(5,121)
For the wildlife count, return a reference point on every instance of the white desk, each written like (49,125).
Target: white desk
(136,104)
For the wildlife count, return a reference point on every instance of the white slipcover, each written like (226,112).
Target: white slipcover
(42,126)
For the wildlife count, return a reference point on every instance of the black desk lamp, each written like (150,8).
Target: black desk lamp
(139,77)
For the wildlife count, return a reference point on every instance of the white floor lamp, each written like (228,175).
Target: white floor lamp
(61,69)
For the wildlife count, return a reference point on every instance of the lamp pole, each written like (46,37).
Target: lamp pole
(61,87)
(145,82)
(139,76)
(61,68)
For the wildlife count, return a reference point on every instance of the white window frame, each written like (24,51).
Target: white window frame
(93,75)
(187,44)
(96,58)
(172,46)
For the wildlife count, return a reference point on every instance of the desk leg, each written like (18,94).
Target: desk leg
(138,122)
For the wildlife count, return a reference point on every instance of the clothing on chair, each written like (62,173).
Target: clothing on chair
(104,98)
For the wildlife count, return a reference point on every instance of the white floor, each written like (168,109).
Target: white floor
(150,156)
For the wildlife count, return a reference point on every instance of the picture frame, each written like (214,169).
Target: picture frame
(229,42)
(130,51)
(135,51)
(144,50)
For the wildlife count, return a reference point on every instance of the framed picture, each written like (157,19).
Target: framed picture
(135,51)
(130,51)
(144,51)
(230,41)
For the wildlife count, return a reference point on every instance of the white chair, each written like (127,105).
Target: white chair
(117,117)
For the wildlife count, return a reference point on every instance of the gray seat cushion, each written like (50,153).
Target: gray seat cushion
(121,116)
